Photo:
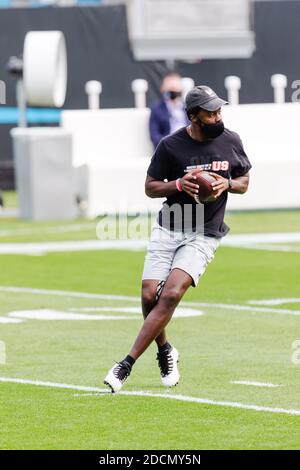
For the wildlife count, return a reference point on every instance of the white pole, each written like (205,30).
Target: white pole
(93,89)
(279,84)
(233,85)
(139,88)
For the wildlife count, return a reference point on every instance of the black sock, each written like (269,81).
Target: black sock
(165,347)
(130,360)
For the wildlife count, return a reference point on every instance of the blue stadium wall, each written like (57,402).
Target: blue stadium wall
(98,48)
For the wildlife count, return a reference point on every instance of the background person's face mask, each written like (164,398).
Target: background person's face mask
(172,95)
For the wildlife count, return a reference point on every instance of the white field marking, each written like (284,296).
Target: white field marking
(107,309)
(250,238)
(48,314)
(275,301)
(249,241)
(86,295)
(168,396)
(52,384)
(244,308)
(179,312)
(4,213)
(10,320)
(255,384)
(70,246)
(263,241)
(44,230)
(270,247)
(63,293)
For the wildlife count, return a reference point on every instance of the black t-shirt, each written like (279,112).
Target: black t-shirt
(179,153)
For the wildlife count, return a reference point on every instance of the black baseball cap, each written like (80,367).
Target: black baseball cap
(204,97)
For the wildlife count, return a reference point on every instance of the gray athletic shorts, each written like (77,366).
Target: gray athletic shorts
(189,251)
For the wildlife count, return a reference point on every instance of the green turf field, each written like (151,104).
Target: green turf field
(228,339)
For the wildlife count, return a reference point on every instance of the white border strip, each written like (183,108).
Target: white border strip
(182,398)
(255,384)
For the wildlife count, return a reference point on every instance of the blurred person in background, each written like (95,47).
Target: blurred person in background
(168,114)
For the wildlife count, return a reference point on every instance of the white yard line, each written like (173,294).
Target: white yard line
(44,230)
(86,295)
(10,320)
(250,238)
(244,308)
(62,293)
(70,246)
(168,396)
(58,315)
(51,384)
(277,301)
(269,247)
(261,241)
(255,384)
(4,213)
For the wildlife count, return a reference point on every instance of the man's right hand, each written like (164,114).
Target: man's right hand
(188,185)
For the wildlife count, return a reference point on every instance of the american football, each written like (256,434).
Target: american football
(205,191)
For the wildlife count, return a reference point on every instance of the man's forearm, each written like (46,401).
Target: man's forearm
(156,188)
(239,185)
(160,188)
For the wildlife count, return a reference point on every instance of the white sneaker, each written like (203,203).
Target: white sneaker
(117,376)
(167,362)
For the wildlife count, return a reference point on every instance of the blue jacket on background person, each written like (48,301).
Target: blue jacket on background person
(159,122)
(168,114)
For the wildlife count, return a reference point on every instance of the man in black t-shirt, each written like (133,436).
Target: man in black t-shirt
(186,234)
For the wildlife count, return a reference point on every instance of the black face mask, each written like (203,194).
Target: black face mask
(172,95)
(211,131)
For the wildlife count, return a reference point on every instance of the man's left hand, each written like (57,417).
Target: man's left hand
(220,185)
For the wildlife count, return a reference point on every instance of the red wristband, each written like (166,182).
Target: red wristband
(178,185)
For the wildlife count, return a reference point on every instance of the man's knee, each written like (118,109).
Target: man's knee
(171,295)
(174,291)
(148,292)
